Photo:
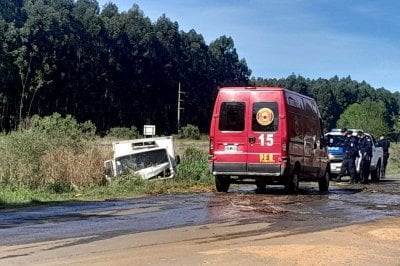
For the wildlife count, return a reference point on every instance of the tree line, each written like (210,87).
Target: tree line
(378,107)
(122,69)
(113,68)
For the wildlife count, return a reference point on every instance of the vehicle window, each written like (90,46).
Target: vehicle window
(265,117)
(232,116)
(139,161)
(335,140)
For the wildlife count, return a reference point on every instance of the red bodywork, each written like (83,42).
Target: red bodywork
(264,134)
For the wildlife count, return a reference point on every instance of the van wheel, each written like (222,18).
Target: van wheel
(323,182)
(222,183)
(292,182)
(261,188)
(376,173)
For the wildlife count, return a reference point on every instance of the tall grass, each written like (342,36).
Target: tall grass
(58,159)
(52,150)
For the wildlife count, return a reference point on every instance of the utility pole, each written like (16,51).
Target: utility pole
(179,105)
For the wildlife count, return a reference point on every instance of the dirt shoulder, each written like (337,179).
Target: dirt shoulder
(372,243)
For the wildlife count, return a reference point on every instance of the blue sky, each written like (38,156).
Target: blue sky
(311,38)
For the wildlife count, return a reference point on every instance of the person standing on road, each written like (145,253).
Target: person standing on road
(350,150)
(365,148)
(385,144)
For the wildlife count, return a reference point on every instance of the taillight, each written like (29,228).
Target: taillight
(211,147)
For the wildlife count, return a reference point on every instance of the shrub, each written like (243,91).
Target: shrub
(52,149)
(70,165)
(194,165)
(123,132)
(21,153)
(189,132)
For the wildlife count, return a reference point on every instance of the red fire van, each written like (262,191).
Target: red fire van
(266,135)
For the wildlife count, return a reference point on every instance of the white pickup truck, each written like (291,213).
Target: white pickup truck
(376,160)
(335,141)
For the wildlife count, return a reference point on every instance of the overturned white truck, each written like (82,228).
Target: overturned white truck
(148,158)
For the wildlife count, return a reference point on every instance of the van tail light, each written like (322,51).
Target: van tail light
(211,147)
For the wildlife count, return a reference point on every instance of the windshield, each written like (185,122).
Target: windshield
(334,140)
(139,161)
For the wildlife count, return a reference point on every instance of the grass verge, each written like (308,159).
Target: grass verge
(193,176)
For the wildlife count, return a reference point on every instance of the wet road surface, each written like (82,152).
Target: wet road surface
(306,211)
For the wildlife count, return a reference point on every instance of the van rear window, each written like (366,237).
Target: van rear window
(265,117)
(231,116)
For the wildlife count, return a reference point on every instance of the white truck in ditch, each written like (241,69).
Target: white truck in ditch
(148,158)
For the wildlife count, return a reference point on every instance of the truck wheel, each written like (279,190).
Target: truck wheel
(323,182)
(222,183)
(292,182)
(376,173)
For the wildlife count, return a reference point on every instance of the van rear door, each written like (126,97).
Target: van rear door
(264,140)
(230,132)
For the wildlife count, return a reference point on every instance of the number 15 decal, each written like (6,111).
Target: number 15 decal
(266,139)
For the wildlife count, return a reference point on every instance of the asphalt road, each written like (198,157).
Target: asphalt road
(111,232)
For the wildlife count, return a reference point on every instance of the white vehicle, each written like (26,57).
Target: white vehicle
(376,160)
(335,141)
(148,158)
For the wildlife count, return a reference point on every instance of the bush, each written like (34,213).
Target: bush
(57,126)
(194,165)
(52,149)
(123,132)
(189,132)
(79,167)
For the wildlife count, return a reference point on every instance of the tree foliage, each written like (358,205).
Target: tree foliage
(367,115)
(335,95)
(116,69)
(120,69)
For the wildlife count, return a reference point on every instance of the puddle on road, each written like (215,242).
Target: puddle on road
(306,210)
(342,204)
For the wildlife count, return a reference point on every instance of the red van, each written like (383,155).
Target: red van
(266,135)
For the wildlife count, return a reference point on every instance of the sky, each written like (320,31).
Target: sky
(311,38)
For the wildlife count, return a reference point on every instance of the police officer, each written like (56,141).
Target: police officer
(365,150)
(350,150)
(385,144)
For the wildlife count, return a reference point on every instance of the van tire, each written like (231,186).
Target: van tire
(376,173)
(323,182)
(261,188)
(222,183)
(292,182)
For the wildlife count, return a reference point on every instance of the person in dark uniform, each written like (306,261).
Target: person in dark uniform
(350,152)
(385,144)
(365,149)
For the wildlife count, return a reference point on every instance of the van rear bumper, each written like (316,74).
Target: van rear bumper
(243,169)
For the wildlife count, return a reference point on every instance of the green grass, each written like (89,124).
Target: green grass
(14,197)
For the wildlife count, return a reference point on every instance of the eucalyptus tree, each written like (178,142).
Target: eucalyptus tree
(226,66)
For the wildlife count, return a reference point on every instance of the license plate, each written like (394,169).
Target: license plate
(230,148)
